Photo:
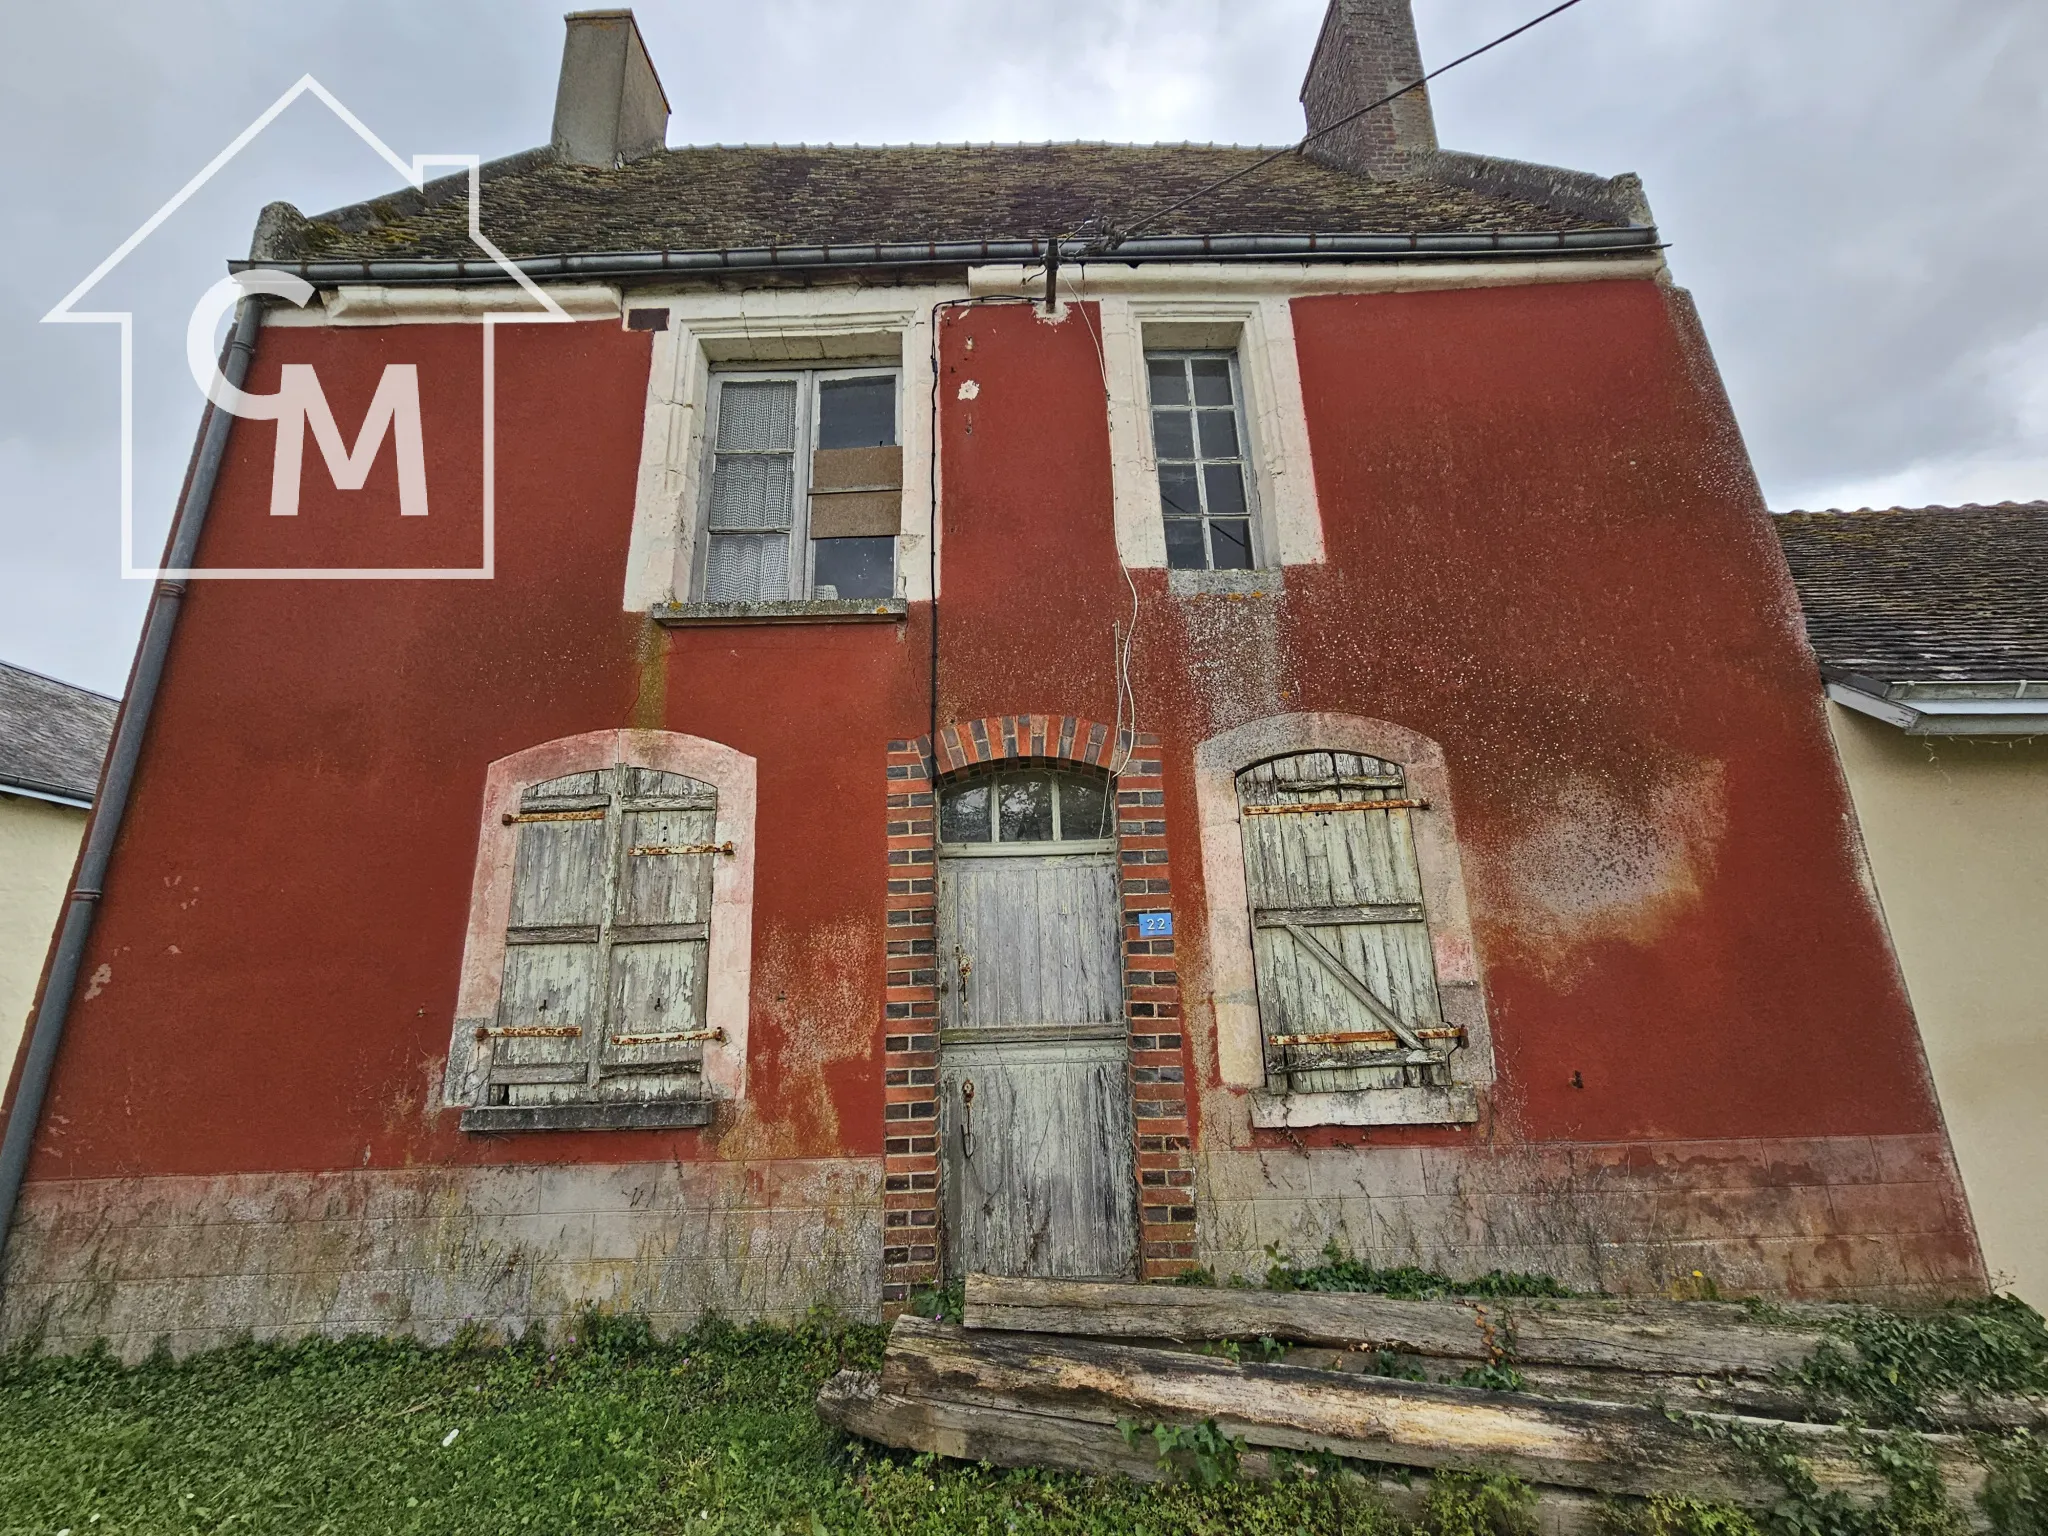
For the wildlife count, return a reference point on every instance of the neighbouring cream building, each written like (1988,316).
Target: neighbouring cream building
(1931,626)
(52,738)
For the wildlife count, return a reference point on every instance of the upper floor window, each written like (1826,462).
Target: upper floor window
(1199,441)
(805,495)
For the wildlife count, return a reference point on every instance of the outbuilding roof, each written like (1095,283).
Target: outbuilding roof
(53,736)
(745,196)
(1927,594)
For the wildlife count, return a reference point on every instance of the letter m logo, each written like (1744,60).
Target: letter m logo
(394,409)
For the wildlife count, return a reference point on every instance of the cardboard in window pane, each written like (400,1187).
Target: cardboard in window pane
(855,567)
(857,413)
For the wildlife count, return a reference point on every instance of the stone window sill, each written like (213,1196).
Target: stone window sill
(1455,1105)
(844,610)
(1269,583)
(664,1115)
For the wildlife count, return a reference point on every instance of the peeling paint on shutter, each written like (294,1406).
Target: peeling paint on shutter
(605,957)
(1339,940)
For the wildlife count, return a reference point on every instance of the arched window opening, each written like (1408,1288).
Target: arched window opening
(1013,809)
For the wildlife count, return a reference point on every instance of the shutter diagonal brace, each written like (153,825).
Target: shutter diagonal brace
(1335,965)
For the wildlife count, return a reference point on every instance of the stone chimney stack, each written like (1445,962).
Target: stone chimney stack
(609,107)
(1367,49)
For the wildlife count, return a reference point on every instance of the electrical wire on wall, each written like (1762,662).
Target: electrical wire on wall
(932,532)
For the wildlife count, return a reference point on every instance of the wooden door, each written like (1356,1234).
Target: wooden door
(1035,1111)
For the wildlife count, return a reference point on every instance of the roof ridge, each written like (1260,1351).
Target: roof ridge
(11,666)
(1937,506)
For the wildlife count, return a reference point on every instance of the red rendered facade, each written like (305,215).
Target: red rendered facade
(1545,551)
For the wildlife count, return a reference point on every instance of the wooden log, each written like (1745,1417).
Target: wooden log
(1612,1336)
(1003,1437)
(1605,1447)
(1698,1393)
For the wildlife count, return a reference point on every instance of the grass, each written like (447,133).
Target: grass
(612,1432)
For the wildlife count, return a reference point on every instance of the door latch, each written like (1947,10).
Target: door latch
(966,967)
(967,1119)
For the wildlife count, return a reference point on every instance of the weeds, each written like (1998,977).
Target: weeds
(1901,1361)
(1337,1271)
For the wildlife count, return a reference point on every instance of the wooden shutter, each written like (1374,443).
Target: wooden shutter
(549,1008)
(659,937)
(604,983)
(1346,977)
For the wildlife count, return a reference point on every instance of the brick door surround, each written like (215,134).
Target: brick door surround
(1160,1060)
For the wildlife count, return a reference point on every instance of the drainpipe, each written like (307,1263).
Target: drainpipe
(117,779)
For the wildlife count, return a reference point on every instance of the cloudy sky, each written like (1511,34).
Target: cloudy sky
(1853,188)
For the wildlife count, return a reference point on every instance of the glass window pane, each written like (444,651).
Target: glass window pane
(1212,380)
(1024,808)
(1177,493)
(1225,485)
(857,413)
(752,490)
(1219,434)
(757,416)
(1231,543)
(1084,808)
(864,567)
(963,813)
(747,568)
(1184,550)
(1173,435)
(1169,380)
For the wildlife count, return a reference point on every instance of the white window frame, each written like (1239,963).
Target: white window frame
(1258,330)
(1233,978)
(803,564)
(729,944)
(1246,454)
(774,329)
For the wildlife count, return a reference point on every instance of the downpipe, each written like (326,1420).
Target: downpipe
(46,1035)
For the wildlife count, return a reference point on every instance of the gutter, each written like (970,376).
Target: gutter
(615,265)
(78,799)
(1986,707)
(117,779)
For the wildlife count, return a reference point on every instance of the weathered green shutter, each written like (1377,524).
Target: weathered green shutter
(659,937)
(1346,976)
(550,1007)
(604,983)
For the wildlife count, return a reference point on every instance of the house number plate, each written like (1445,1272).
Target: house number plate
(1155,925)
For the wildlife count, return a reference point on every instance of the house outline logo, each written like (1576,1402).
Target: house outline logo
(293,402)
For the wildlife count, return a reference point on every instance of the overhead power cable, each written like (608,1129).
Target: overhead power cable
(1307,139)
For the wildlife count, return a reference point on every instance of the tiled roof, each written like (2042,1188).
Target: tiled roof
(735,197)
(1930,594)
(52,735)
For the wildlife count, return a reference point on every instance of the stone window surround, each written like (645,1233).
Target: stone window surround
(1240,1036)
(729,957)
(1259,330)
(782,327)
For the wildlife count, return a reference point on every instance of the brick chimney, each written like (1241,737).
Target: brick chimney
(1366,50)
(609,107)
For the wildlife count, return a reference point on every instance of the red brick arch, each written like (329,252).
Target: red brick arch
(1160,1059)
